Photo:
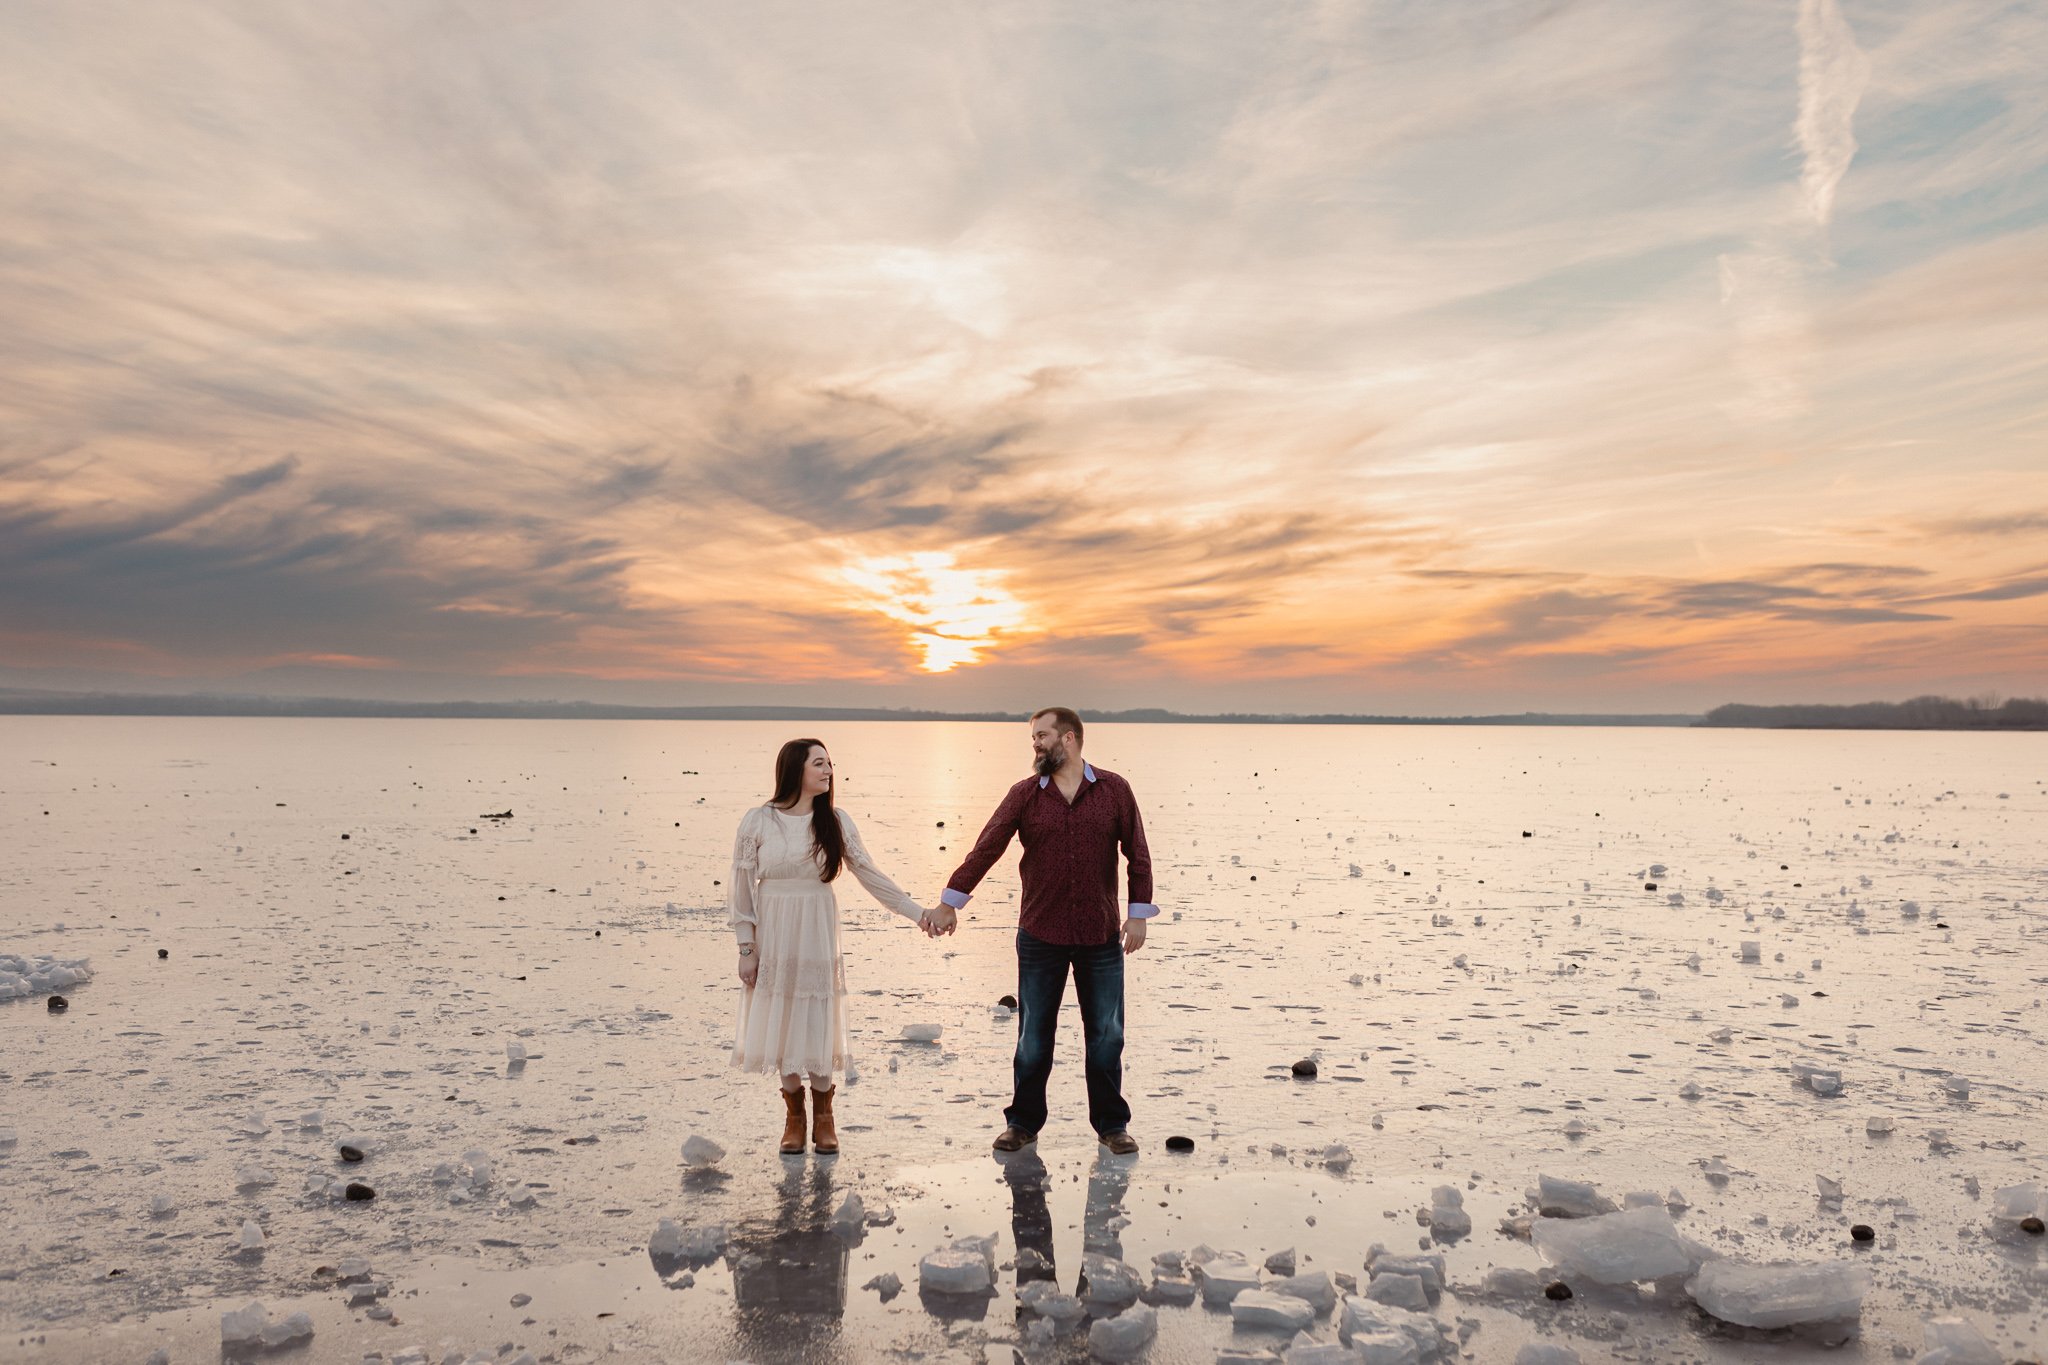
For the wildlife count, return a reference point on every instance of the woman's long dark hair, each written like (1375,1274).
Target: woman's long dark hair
(828,844)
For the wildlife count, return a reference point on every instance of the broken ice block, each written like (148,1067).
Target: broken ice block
(252,1236)
(1511,1282)
(1953,1341)
(1337,1157)
(1223,1280)
(672,1241)
(1402,1291)
(1957,1087)
(297,1327)
(1779,1295)
(851,1213)
(1110,1281)
(251,1174)
(1546,1353)
(1368,1327)
(515,1052)
(1559,1198)
(243,1326)
(1447,1216)
(1311,1286)
(1877,1125)
(1830,1190)
(967,1266)
(1820,1080)
(1617,1248)
(1125,1336)
(701,1152)
(1752,950)
(921,1033)
(1264,1308)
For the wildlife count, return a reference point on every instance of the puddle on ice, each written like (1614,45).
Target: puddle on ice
(507,1028)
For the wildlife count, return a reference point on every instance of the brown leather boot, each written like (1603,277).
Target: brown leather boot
(793,1123)
(824,1132)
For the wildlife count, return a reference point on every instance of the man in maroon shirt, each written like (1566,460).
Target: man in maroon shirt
(1072,818)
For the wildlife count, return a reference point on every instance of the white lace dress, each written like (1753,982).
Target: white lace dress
(793,1018)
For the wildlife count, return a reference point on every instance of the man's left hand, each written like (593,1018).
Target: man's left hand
(1134,936)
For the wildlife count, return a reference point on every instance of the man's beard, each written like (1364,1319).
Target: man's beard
(1050,762)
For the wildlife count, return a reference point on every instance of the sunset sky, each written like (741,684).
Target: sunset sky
(1388,357)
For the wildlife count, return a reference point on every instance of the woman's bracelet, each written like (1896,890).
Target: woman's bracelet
(746,950)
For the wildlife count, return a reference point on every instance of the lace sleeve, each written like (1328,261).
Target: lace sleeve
(878,883)
(746,870)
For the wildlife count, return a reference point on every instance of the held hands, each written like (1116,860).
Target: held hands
(1134,936)
(940,919)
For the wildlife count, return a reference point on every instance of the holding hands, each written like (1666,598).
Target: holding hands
(940,919)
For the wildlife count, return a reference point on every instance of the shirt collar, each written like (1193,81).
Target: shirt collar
(1087,772)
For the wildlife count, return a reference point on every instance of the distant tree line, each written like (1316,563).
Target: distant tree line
(1921,713)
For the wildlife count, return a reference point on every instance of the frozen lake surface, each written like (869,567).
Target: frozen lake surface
(288,916)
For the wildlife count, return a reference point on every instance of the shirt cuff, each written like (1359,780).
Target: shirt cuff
(1143,910)
(957,899)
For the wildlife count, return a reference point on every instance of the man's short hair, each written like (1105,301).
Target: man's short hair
(1065,720)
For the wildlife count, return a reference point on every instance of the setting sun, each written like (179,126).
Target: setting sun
(954,613)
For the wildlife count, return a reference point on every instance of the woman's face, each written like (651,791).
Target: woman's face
(817,773)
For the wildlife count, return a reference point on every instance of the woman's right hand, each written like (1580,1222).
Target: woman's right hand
(750,968)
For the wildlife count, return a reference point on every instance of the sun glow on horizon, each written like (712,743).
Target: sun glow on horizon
(954,613)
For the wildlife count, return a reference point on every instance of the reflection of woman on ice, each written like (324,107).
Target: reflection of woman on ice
(792,1018)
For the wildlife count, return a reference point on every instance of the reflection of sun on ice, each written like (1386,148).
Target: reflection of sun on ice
(954,613)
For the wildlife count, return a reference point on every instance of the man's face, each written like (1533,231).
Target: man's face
(1048,746)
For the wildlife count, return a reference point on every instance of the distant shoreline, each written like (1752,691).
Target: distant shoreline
(17,702)
(1922,713)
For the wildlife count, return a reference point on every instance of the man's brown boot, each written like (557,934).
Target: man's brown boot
(793,1124)
(824,1132)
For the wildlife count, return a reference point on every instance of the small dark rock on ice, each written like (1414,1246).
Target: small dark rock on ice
(351,1153)
(1305,1067)
(358,1191)
(58,1004)
(1177,1143)
(1557,1290)
(1863,1232)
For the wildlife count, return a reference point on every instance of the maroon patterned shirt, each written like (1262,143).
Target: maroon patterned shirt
(1069,863)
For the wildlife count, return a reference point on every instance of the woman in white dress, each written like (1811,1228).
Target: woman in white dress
(792,1017)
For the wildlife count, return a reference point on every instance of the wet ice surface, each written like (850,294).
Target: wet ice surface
(519,1075)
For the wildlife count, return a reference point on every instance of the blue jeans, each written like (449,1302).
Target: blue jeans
(1099,987)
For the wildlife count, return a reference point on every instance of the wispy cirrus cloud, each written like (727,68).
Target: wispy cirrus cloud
(1244,348)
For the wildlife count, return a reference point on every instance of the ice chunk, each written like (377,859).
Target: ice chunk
(1830,1190)
(887,1284)
(243,1326)
(1447,1216)
(1511,1282)
(1109,1280)
(1546,1353)
(1427,1268)
(1559,1198)
(1957,1087)
(1361,1321)
(1044,1298)
(252,1236)
(1617,1248)
(252,1123)
(1953,1341)
(967,1266)
(297,1327)
(1402,1291)
(162,1206)
(1878,1125)
(1311,1286)
(1264,1308)
(1779,1295)
(1752,950)
(1281,1262)
(1125,1336)
(672,1241)
(313,1120)
(1178,1290)
(1337,1157)
(1223,1280)
(921,1033)
(851,1215)
(1820,1080)
(515,1052)
(251,1174)
(701,1152)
